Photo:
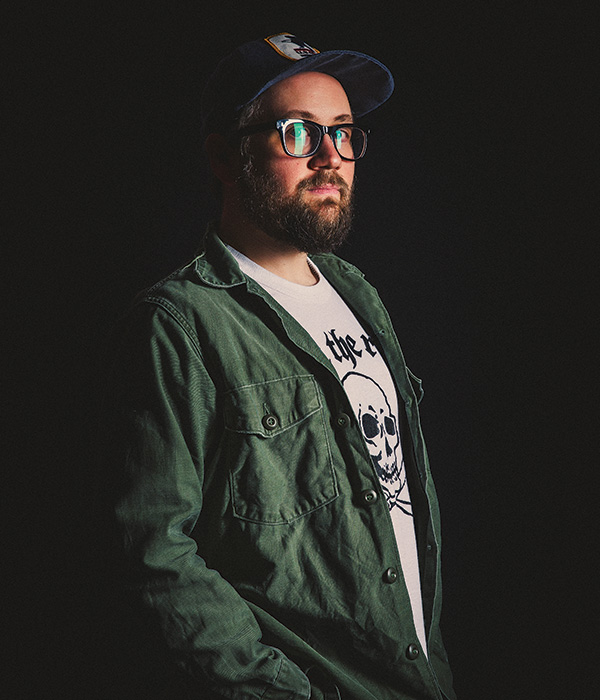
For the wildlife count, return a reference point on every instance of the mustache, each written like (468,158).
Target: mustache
(324,178)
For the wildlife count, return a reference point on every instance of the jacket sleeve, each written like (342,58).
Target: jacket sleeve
(161,424)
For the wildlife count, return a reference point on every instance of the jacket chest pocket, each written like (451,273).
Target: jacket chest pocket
(278,450)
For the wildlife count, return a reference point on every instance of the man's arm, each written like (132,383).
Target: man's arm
(162,425)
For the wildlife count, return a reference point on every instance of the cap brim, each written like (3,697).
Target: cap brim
(367,82)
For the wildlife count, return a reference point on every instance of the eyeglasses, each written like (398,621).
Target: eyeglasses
(302,138)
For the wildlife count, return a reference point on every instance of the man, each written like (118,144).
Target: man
(276,508)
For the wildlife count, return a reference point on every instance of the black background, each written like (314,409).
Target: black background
(474,221)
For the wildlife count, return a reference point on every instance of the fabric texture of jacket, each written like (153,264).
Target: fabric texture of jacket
(250,516)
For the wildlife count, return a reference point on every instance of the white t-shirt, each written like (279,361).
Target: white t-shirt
(370,389)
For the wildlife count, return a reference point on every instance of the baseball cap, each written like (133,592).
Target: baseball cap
(255,66)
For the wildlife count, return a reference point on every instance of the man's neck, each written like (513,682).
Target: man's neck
(276,256)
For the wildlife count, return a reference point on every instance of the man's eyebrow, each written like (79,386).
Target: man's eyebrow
(300,114)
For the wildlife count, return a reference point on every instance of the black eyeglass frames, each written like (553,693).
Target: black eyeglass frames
(302,138)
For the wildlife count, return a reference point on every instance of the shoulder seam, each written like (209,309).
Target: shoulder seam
(172,310)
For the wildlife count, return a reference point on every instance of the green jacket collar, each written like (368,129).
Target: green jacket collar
(216,266)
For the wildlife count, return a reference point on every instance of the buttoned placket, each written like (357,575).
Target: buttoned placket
(344,421)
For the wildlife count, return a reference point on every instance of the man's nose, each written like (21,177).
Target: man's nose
(326,156)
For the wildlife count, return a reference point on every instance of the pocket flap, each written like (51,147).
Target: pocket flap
(269,408)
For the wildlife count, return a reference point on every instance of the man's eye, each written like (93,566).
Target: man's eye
(343,135)
(300,131)
(298,138)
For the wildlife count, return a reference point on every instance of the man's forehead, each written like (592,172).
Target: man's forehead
(306,79)
(305,91)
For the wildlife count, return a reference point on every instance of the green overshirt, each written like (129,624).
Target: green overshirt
(250,515)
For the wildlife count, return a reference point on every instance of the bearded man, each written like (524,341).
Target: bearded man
(276,511)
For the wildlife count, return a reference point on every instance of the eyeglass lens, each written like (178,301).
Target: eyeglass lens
(302,139)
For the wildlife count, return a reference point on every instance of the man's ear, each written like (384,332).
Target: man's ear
(223,158)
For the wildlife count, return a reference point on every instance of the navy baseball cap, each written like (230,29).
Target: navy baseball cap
(254,67)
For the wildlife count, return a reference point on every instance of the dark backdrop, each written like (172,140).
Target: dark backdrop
(474,222)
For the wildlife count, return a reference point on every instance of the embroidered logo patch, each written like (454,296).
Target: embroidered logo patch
(290,46)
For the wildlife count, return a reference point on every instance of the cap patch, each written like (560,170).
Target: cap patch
(290,46)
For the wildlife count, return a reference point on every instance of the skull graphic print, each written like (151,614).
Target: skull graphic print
(379,427)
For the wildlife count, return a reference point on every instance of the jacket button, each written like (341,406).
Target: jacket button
(390,575)
(269,422)
(343,420)
(369,496)
(412,652)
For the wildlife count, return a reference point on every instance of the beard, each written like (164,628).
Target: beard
(320,227)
